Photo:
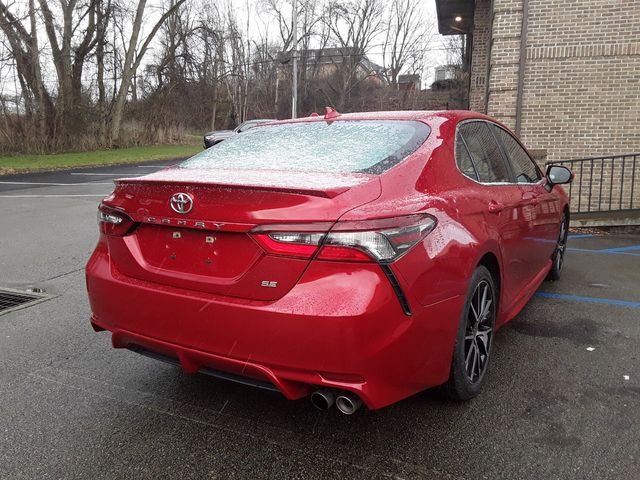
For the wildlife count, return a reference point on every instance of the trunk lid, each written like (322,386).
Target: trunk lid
(209,248)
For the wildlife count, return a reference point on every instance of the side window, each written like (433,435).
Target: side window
(463,159)
(485,152)
(523,167)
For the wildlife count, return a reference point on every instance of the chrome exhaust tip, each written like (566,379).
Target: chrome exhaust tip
(323,399)
(348,403)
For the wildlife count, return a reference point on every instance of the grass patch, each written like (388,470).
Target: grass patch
(25,163)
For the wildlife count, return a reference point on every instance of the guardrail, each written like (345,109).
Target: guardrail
(604,184)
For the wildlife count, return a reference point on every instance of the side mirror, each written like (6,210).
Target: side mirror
(558,175)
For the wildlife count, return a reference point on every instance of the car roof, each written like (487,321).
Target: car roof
(423,115)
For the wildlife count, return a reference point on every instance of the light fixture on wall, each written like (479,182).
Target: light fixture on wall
(458,19)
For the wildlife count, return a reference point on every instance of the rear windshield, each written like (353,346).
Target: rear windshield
(343,146)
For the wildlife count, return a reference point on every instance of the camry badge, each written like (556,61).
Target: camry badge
(181,202)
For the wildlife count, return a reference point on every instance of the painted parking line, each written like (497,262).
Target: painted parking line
(547,240)
(579,298)
(606,252)
(620,249)
(581,235)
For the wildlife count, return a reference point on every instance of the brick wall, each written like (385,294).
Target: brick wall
(481,39)
(505,59)
(581,94)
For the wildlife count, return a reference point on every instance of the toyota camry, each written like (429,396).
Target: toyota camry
(350,258)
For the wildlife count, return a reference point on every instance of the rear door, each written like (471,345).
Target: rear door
(540,208)
(500,195)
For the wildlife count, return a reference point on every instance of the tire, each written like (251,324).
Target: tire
(474,339)
(557,258)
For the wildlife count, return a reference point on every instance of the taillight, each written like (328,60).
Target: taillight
(382,240)
(113,221)
(291,240)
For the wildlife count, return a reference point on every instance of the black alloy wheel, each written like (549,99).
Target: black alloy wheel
(475,338)
(478,332)
(561,247)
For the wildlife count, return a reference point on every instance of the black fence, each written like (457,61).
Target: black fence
(604,184)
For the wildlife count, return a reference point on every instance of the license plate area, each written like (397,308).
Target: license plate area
(198,252)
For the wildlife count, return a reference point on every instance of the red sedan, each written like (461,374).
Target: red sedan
(356,258)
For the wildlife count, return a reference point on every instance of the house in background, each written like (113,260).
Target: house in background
(410,83)
(324,62)
(447,72)
(565,75)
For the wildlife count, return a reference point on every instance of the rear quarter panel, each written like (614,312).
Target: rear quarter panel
(439,267)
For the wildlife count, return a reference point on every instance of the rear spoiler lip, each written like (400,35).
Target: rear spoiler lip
(324,193)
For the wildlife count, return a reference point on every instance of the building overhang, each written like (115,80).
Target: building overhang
(455,17)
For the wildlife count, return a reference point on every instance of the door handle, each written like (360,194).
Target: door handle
(530,200)
(495,207)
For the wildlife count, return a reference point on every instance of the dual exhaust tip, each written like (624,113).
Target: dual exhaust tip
(347,402)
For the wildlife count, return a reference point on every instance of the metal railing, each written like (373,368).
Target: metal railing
(604,184)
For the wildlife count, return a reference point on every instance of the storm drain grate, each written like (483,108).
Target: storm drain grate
(13,299)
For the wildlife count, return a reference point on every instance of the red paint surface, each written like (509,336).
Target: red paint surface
(328,323)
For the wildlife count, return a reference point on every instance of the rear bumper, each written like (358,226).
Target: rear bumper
(193,361)
(341,326)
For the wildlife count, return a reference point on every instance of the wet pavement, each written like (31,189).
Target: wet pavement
(561,399)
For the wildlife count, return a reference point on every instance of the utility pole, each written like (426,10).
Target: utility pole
(294,53)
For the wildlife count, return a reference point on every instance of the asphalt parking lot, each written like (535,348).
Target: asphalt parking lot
(562,398)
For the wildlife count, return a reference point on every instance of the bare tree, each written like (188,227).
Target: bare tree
(82,66)
(134,54)
(174,63)
(103,15)
(308,18)
(234,66)
(26,52)
(71,40)
(456,51)
(407,38)
(353,25)
(309,32)
(211,34)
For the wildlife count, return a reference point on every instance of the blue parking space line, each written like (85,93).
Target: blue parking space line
(620,249)
(578,298)
(580,235)
(633,250)
(606,252)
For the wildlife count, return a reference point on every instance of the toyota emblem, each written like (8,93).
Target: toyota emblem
(181,202)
